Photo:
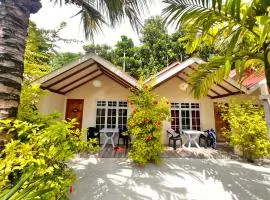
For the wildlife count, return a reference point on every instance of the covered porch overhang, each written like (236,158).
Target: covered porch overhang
(82,71)
(183,71)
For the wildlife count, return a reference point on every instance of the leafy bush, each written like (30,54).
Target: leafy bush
(247,128)
(44,149)
(145,123)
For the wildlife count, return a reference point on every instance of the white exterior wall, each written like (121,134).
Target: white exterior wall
(109,90)
(171,91)
(53,102)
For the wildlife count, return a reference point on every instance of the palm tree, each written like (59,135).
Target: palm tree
(14,18)
(239,30)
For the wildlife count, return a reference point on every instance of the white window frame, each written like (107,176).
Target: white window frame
(186,109)
(106,107)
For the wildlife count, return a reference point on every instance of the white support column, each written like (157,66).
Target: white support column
(265,97)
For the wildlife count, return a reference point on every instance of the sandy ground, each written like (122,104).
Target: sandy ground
(173,179)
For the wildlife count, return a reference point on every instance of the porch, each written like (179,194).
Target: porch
(222,151)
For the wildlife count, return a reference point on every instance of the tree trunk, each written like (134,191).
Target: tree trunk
(14,17)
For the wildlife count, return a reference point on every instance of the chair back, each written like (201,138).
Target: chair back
(172,134)
(92,132)
(122,130)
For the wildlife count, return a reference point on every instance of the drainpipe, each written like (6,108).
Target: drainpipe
(265,97)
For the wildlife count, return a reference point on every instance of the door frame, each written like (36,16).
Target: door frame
(219,137)
(67,103)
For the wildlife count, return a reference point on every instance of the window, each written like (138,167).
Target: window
(185,116)
(175,120)
(111,114)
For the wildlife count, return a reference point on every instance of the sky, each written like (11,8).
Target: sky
(50,16)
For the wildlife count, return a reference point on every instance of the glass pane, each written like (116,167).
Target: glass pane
(187,121)
(174,105)
(102,120)
(109,120)
(183,113)
(114,120)
(120,112)
(184,105)
(103,112)
(193,113)
(122,104)
(98,112)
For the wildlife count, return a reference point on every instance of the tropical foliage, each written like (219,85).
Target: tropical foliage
(14,18)
(247,128)
(145,123)
(33,163)
(41,149)
(95,14)
(239,30)
(25,193)
(158,49)
(61,59)
(124,55)
(103,50)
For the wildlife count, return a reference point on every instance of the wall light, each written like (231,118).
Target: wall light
(183,86)
(97,83)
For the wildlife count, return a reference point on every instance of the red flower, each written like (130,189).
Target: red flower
(149,137)
(70,189)
(158,123)
(119,149)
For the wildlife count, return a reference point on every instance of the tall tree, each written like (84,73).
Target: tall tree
(38,53)
(102,50)
(14,17)
(124,56)
(61,59)
(240,31)
(158,48)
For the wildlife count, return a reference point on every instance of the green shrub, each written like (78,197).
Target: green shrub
(247,128)
(145,123)
(43,149)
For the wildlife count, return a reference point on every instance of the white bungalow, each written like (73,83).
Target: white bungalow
(95,92)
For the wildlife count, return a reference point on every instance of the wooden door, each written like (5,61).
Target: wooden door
(219,123)
(75,110)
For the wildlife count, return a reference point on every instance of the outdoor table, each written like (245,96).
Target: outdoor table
(192,135)
(109,134)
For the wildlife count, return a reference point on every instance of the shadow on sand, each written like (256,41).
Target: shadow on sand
(174,179)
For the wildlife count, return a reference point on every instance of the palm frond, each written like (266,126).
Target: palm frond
(218,68)
(97,13)
(208,74)
(179,11)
